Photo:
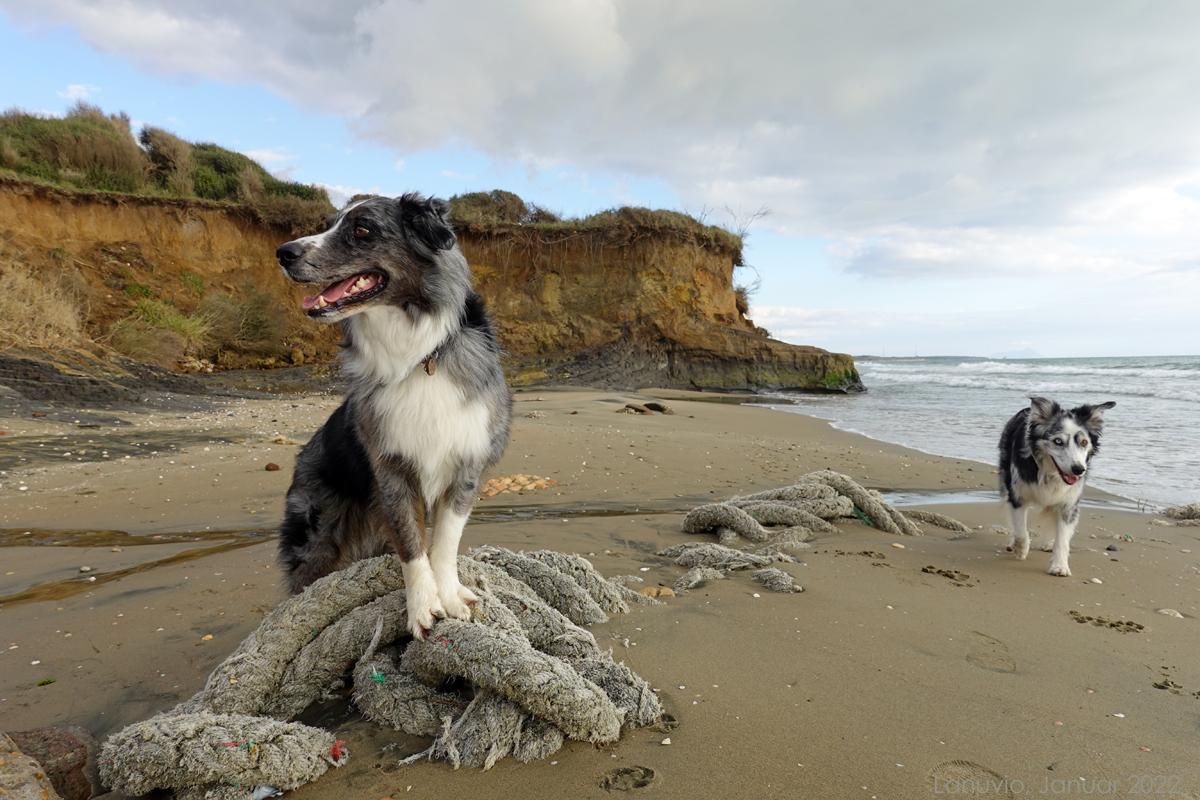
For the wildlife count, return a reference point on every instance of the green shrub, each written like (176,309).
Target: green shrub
(171,160)
(193,283)
(100,150)
(134,289)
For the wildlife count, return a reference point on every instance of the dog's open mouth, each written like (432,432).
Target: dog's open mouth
(1069,478)
(338,295)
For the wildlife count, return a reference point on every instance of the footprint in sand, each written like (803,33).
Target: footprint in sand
(1122,625)
(627,778)
(956,577)
(991,654)
(968,779)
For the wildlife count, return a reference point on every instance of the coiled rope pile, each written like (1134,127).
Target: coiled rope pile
(537,676)
(781,520)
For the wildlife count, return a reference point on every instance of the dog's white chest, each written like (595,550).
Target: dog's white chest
(1049,492)
(428,420)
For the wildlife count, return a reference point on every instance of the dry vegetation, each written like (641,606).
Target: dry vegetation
(40,308)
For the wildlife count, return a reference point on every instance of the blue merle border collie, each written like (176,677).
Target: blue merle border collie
(397,465)
(1045,452)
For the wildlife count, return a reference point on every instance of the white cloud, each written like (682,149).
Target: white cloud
(340,195)
(79,91)
(932,137)
(268,157)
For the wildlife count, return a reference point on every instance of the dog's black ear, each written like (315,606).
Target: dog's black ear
(1042,409)
(1093,416)
(428,220)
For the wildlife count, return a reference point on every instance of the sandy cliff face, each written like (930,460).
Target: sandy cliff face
(627,310)
(578,307)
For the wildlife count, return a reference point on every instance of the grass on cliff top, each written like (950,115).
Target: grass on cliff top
(499,211)
(87,150)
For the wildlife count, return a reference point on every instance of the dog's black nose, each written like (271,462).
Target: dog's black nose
(289,254)
(1078,469)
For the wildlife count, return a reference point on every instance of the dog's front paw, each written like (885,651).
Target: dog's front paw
(458,602)
(1020,549)
(423,614)
(1061,570)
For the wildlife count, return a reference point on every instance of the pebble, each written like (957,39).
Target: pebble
(667,740)
(1097,580)
(1170,612)
(272,467)
(897,545)
(206,638)
(85,569)
(1113,548)
(116,550)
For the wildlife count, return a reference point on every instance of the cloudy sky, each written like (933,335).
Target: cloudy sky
(942,176)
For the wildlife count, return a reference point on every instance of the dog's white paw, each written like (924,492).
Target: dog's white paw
(1020,549)
(424,609)
(1061,570)
(458,602)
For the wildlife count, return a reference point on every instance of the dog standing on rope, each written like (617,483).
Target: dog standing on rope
(1045,452)
(427,410)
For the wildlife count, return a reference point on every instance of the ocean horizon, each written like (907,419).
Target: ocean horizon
(957,407)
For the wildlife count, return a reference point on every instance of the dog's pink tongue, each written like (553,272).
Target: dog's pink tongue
(1070,479)
(332,294)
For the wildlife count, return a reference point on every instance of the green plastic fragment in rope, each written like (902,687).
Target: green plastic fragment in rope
(858,513)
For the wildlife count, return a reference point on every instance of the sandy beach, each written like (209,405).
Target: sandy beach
(899,672)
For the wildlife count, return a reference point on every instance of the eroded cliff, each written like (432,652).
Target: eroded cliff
(619,307)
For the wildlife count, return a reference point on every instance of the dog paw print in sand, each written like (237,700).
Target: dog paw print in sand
(512,484)
(1122,625)
(956,577)
(968,778)
(626,778)
(1168,684)
(867,553)
(990,654)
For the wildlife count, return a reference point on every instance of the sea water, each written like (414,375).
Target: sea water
(1150,450)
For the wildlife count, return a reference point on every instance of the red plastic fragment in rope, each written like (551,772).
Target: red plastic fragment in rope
(336,750)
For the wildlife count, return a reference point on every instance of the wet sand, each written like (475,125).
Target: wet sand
(903,673)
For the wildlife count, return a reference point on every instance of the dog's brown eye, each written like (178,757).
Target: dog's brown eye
(359,230)
(1083,442)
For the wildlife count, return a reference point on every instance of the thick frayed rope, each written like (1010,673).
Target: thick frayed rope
(696,576)
(804,508)
(940,520)
(195,749)
(719,557)
(776,580)
(536,678)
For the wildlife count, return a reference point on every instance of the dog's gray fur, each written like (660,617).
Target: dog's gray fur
(427,411)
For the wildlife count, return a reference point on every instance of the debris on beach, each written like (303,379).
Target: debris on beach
(648,408)
(534,678)
(776,580)
(512,484)
(1181,516)
(784,519)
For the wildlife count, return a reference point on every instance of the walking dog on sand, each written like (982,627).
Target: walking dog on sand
(1045,452)
(397,465)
